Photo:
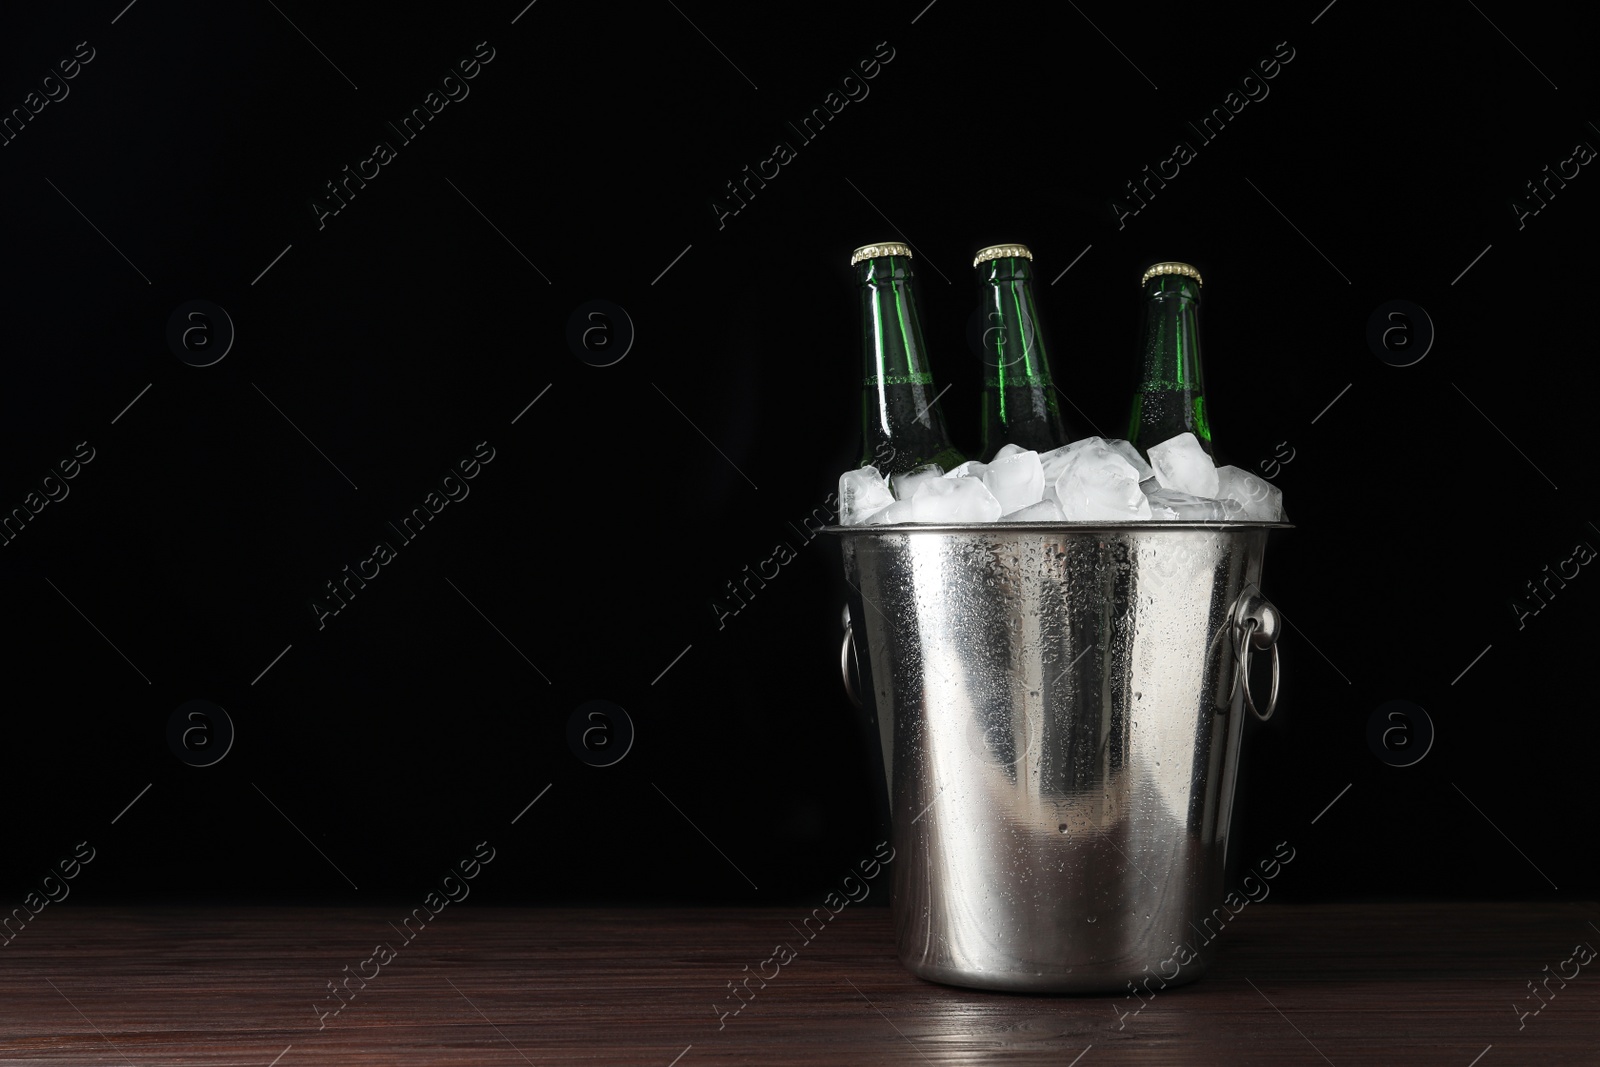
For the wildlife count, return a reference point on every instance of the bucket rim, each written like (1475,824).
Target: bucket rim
(1136,526)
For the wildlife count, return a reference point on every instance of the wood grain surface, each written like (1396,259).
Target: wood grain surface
(1374,983)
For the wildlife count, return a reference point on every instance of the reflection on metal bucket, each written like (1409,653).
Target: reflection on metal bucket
(1060,711)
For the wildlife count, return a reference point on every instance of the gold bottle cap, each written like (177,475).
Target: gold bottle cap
(1171,267)
(997,251)
(884,248)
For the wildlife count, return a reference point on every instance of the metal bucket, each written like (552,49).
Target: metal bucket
(1060,709)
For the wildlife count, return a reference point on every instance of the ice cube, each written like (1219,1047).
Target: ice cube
(862,492)
(1016,480)
(899,511)
(1180,463)
(1007,450)
(905,486)
(970,469)
(1055,460)
(1098,485)
(1043,511)
(1191,508)
(954,500)
(1262,501)
(1126,450)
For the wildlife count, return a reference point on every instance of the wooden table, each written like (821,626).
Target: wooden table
(1344,984)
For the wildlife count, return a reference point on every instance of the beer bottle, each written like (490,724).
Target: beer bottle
(1020,405)
(901,424)
(1171,396)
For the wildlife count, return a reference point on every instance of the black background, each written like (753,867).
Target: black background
(375,350)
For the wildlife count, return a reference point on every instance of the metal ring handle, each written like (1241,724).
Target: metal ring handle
(846,661)
(1242,661)
(1255,624)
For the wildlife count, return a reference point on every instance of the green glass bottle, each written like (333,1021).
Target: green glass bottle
(1171,397)
(901,424)
(1020,404)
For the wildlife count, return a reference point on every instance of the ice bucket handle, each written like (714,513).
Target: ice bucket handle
(1255,625)
(847,656)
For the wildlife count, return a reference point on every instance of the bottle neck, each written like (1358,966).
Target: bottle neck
(1170,332)
(1171,395)
(1020,403)
(901,423)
